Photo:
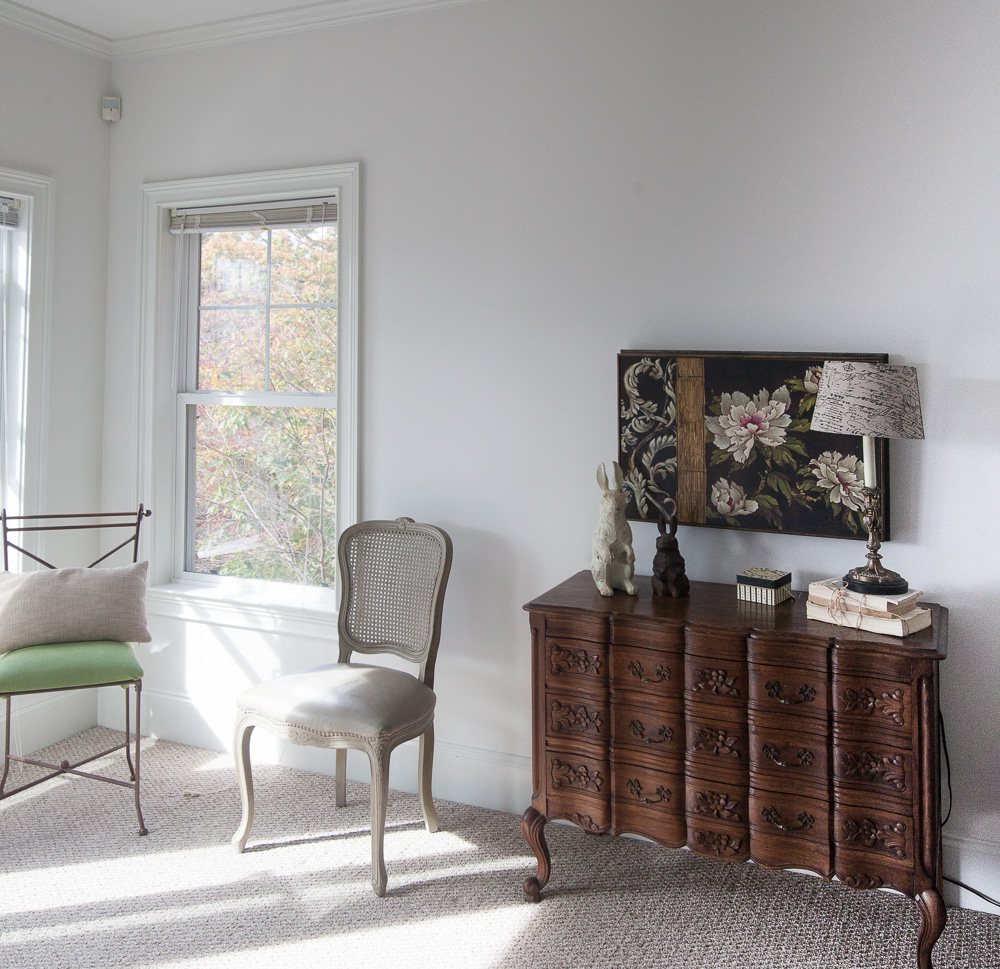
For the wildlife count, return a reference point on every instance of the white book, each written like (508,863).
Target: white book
(827,590)
(909,622)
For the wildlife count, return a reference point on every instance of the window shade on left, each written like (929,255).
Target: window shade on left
(9,213)
(276,215)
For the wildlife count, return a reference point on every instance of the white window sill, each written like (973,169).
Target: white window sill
(245,604)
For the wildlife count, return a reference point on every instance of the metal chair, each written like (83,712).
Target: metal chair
(393,576)
(55,667)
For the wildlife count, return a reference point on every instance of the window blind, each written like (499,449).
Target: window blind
(9,210)
(282,214)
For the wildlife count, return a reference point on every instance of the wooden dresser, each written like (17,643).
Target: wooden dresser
(742,732)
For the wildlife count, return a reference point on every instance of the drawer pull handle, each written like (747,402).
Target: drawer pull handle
(661,736)
(805,694)
(635,789)
(661,673)
(772,817)
(803,757)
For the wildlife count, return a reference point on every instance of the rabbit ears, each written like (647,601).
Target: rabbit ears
(618,478)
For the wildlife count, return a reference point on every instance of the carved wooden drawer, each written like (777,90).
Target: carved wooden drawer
(790,831)
(576,627)
(721,679)
(575,664)
(786,753)
(712,744)
(646,671)
(657,730)
(717,839)
(649,802)
(798,692)
(577,718)
(578,787)
(863,869)
(877,834)
(878,704)
(628,631)
(708,802)
(874,769)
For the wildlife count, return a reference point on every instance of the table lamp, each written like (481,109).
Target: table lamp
(872,400)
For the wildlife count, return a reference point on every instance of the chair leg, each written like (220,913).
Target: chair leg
(425,760)
(128,730)
(6,747)
(135,772)
(379,759)
(340,778)
(245,776)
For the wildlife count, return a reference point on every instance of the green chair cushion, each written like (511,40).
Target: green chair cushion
(60,666)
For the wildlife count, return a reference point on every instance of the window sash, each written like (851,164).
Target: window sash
(190,397)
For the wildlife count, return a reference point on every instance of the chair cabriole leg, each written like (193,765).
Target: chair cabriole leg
(241,750)
(378,757)
(425,760)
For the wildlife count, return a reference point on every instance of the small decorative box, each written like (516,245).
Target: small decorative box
(765,586)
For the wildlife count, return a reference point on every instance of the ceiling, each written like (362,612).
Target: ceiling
(119,19)
(113,28)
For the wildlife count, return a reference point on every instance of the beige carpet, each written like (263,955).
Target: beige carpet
(79,888)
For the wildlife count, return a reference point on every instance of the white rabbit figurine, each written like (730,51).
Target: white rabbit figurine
(613,564)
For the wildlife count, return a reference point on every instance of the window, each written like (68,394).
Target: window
(247,447)
(260,391)
(24,240)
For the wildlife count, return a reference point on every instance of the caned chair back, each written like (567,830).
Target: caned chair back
(392,578)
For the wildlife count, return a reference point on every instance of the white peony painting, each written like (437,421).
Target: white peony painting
(724,439)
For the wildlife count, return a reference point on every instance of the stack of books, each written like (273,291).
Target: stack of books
(830,601)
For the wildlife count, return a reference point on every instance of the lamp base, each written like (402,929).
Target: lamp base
(876,581)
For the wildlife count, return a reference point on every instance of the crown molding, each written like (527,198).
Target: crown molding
(312,17)
(58,31)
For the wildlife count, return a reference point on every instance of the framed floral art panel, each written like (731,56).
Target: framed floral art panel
(724,440)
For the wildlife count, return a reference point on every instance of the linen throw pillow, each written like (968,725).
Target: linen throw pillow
(73,606)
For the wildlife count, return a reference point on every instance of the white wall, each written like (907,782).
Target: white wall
(545,182)
(50,116)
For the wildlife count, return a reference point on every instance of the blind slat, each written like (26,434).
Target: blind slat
(9,213)
(272,215)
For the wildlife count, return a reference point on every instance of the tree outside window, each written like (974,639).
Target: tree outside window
(262,416)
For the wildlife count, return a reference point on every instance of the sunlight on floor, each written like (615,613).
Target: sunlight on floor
(133,877)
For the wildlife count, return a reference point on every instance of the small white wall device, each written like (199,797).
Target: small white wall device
(111,109)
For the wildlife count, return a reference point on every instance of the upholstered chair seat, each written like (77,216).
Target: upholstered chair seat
(329,705)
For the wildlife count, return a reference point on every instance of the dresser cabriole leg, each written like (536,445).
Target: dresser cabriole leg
(932,918)
(532,825)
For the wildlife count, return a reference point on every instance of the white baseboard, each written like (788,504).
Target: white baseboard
(469,775)
(46,718)
(976,862)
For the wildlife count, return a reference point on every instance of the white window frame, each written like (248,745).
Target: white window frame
(27,300)
(161,358)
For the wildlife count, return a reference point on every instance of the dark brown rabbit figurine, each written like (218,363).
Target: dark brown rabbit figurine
(669,578)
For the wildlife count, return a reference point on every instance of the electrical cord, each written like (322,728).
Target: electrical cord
(951,802)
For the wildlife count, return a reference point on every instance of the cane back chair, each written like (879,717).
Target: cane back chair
(393,576)
(55,667)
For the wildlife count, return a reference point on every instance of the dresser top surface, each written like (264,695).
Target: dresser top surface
(715,604)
